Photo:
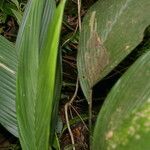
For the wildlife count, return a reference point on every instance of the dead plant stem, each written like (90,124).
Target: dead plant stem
(79,14)
(66,114)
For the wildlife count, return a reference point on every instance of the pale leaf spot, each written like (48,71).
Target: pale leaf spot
(109,135)
(127,47)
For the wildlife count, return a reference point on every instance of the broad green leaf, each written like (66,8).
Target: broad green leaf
(8,65)
(9,114)
(110,31)
(37,74)
(124,120)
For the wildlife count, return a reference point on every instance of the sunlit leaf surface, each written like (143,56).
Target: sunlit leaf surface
(124,120)
(36,78)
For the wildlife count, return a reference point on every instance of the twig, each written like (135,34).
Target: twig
(71,64)
(79,14)
(66,114)
(68,125)
(80,117)
(73,34)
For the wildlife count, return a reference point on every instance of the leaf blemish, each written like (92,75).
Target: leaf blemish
(127,47)
(109,135)
(137,137)
(96,56)
(7,68)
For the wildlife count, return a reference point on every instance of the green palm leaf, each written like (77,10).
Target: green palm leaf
(8,65)
(36,76)
(9,58)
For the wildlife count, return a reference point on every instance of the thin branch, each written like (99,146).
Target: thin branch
(75,93)
(79,14)
(68,125)
(66,114)
(80,117)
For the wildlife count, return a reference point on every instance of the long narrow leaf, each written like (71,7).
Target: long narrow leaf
(36,75)
(48,67)
(8,115)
